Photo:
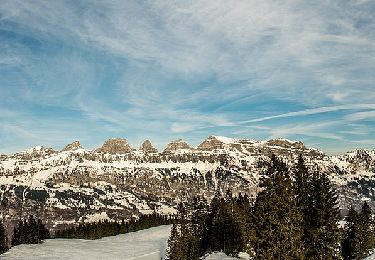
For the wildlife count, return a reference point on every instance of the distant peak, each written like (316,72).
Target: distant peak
(223,139)
(73,146)
(38,148)
(176,145)
(115,145)
(282,142)
(147,147)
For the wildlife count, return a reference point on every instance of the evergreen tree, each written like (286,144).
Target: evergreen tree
(29,232)
(183,243)
(366,230)
(301,188)
(301,177)
(278,220)
(322,231)
(359,239)
(3,239)
(349,250)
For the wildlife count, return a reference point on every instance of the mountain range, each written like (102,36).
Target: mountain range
(118,182)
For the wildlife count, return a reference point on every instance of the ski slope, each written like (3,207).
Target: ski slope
(146,244)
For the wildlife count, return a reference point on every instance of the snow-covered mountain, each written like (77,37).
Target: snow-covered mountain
(117,181)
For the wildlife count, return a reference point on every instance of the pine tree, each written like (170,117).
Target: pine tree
(359,239)
(173,243)
(365,225)
(184,244)
(351,235)
(301,188)
(323,234)
(3,236)
(278,220)
(29,232)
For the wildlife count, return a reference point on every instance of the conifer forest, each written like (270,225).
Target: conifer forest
(295,216)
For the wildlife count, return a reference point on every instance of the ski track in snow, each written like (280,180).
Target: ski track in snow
(147,244)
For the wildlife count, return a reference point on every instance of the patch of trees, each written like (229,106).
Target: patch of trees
(295,216)
(106,228)
(359,238)
(29,231)
(3,239)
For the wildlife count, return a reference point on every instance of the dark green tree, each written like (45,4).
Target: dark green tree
(3,239)
(183,244)
(366,229)
(29,232)
(349,249)
(359,240)
(301,188)
(226,231)
(322,239)
(278,220)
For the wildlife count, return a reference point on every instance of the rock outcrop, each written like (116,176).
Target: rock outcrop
(147,147)
(72,147)
(115,145)
(286,143)
(176,145)
(210,144)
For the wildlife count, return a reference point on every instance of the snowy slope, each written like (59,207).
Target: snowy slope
(62,187)
(146,244)
(371,257)
(222,256)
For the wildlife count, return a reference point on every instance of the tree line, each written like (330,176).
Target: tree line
(31,231)
(294,216)
(28,231)
(106,228)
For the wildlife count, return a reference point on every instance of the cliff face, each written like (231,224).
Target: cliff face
(115,145)
(147,147)
(210,144)
(73,146)
(176,145)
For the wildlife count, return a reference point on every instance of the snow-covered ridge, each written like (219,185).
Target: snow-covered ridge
(81,184)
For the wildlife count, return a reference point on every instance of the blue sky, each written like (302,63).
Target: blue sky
(91,70)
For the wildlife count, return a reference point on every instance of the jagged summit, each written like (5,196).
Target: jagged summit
(285,143)
(115,145)
(72,147)
(35,152)
(213,142)
(176,145)
(147,147)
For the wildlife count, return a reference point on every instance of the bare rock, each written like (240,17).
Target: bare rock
(210,144)
(147,147)
(176,145)
(115,145)
(73,146)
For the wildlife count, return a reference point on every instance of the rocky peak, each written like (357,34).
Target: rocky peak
(35,152)
(176,145)
(115,145)
(286,143)
(73,146)
(147,147)
(211,143)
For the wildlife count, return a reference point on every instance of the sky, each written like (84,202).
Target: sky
(162,70)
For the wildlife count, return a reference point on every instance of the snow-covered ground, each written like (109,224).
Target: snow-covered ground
(146,244)
(222,256)
(371,257)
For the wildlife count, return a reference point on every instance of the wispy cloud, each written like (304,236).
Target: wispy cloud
(368,115)
(320,110)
